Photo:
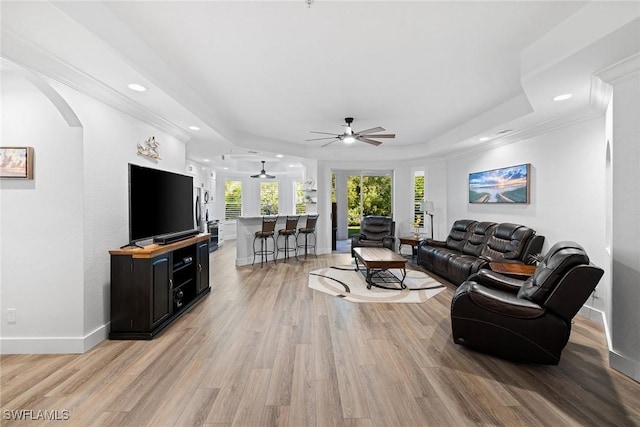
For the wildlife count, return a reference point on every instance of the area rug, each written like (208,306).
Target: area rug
(348,283)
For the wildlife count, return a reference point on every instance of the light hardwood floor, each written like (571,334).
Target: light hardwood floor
(264,349)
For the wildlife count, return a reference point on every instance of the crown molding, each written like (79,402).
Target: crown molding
(620,71)
(31,57)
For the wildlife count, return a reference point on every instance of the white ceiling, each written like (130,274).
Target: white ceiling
(258,76)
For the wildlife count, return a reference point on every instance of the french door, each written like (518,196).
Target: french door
(368,193)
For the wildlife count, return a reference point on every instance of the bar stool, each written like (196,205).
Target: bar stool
(289,230)
(268,228)
(308,229)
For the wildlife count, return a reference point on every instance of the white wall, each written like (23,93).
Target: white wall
(57,230)
(110,144)
(436,191)
(625,355)
(42,253)
(568,200)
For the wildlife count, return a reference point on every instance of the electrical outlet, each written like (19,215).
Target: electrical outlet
(11,315)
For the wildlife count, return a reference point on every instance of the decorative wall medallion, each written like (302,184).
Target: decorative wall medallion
(150,148)
(309,184)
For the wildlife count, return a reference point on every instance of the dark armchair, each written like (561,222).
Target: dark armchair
(375,231)
(525,320)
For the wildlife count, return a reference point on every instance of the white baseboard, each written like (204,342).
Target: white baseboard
(53,345)
(617,361)
(96,336)
(624,365)
(599,317)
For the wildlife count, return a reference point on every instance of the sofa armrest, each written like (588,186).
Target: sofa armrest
(534,247)
(490,259)
(356,238)
(503,303)
(495,280)
(389,240)
(435,243)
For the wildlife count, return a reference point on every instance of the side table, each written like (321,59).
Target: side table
(516,270)
(412,241)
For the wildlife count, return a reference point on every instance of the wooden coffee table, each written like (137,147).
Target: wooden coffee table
(377,261)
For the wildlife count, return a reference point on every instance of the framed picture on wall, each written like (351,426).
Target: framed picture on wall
(16,162)
(504,185)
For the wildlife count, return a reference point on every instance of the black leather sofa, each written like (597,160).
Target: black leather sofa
(471,245)
(525,320)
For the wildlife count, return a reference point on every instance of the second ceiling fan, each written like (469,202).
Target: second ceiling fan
(349,136)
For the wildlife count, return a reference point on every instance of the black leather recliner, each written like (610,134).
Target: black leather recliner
(525,320)
(375,231)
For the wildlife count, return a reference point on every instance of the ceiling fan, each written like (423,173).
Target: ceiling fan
(262,173)
(349,136)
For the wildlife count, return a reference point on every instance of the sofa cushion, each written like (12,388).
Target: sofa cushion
(440,259)
(480,234)
(507,242)
(459,234)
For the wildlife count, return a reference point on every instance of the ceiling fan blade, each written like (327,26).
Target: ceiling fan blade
(368,141)
(372,130)
(330,142)
(324,133)
(318,139)
(383,135)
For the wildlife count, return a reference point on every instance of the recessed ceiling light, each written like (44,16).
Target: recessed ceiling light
(484,138)
(194,128)
(562,97)
(137,87)
(225,168)
(205,160)
(292,166)
(279,156)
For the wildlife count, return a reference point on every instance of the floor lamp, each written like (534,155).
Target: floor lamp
(428,209)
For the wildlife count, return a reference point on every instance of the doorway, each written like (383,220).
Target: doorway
(356,194)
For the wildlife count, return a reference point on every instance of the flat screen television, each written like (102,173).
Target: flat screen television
(160,203)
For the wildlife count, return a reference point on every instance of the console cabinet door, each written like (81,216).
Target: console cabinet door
(202,279)
(161,289)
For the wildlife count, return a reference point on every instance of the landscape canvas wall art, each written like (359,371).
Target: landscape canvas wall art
(504,185)
(16,162)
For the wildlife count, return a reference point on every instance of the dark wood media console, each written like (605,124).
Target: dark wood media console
(152,286)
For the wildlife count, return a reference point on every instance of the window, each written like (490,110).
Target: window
(268,198)
(298,197)
(232,200)
(418,196)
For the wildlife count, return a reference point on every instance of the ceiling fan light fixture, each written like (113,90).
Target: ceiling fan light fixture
(262,173)
(349,139)
(349,136)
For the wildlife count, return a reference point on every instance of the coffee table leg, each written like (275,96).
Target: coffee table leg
(404,275)
(369,280)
